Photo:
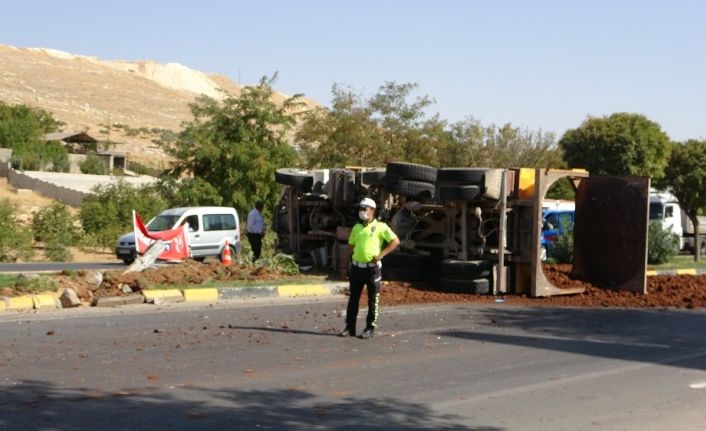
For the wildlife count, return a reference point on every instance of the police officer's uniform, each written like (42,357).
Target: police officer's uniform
(368,242)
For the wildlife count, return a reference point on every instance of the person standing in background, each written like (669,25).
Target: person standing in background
(256,229)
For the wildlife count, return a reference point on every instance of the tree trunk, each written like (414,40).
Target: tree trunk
(697,240)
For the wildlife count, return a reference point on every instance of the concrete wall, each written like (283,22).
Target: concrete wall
(70,197)
(5,154)
(4,169)
(75,161)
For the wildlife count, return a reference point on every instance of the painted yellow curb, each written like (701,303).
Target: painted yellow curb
(691,271)
(2,305)
(151,295)
(45,300)
(200,295)
(651,272)
(302,290)
(19,303)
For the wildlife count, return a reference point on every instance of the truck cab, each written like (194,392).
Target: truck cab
(665,209)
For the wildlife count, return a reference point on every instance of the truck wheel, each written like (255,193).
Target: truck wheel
(409,188)
(465,269)
(471,176)
(464,193)
(300,179)
(411,171)
(373,176)
(454,285)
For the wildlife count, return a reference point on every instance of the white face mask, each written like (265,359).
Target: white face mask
(363,215)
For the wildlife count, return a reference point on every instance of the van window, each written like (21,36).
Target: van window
(193,221)
(162,222)
(218,222)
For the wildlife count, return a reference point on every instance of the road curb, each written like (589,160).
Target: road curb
(19,303)
(683,271)
(161,296)
(157,296)
(200,295)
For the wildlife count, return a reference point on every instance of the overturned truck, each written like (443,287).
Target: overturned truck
(467,229)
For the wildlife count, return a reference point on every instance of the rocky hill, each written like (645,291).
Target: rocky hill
(88,94)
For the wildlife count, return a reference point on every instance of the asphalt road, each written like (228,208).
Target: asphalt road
(277,364)
(58,266)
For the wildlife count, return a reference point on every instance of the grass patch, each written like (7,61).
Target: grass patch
(300,279)
(681,261)
(8,280)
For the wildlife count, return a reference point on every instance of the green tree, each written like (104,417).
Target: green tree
(94,165)
(620,144)
(15,242)
(188,192)
(21,128)
(685,174)
(108,212)
(386,127)
(237,144)
(473,144)
(54,226)
(343,135)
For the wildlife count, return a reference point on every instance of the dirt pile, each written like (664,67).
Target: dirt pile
(90,285)
(679,291)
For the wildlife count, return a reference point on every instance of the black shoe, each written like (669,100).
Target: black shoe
(348,332)
(368,333)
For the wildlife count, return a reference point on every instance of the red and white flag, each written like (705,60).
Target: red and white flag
(177,240)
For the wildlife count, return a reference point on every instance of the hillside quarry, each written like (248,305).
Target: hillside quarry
(88,94)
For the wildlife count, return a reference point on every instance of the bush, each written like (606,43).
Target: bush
(662,245)
(15,242)
(94,165)
(37,156)
(108,212)
(562,249)
(54,226)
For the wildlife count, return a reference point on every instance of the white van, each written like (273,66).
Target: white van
(210,229)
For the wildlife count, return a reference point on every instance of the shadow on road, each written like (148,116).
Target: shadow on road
(652,336)
(34,405)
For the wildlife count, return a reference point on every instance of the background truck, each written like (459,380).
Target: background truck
(665,209)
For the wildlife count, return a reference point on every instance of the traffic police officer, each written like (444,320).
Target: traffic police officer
(366,240)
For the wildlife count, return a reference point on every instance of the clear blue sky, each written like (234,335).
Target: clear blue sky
(535,64)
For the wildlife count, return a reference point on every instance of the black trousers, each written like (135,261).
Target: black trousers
(370,277)
(255,240)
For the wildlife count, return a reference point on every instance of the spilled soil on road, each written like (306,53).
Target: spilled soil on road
(679,291)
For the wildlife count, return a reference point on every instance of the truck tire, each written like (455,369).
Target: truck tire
(454,285)
(301,180)
(373,176)
(465,193)
(409,188)
(402,274)
(465,269)
(411,171)
(469,176)
(404,267)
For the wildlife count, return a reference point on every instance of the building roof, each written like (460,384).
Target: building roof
(79,137)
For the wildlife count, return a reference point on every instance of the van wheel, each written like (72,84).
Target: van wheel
(199,259)
(129,260)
